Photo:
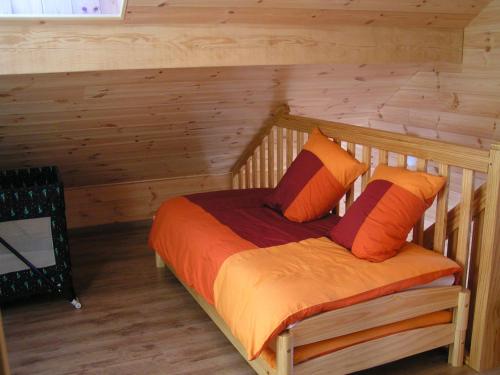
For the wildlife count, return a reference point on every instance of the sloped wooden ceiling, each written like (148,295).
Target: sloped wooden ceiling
(309,13)
(103,127)
(110,123)
(188,33)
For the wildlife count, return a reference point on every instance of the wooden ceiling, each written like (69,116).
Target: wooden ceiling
(102,121)
(307,13)
(104,127)
(159,34)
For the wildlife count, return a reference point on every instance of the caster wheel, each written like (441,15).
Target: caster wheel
(76,304)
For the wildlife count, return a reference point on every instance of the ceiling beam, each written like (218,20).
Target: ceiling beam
(44,48)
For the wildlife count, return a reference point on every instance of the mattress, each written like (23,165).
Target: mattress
(262,272)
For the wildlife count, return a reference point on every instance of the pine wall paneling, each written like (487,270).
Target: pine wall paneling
(165,34)
(325,14)
(105,127)
(462,107)
(134,201)
(62,48)
(98,99)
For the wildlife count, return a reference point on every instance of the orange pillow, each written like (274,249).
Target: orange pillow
(377,224)
(316,180)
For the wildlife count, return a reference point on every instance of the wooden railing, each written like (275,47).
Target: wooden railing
(466,233)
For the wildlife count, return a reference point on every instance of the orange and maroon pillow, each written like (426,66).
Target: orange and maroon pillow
(377,224)
(316,180)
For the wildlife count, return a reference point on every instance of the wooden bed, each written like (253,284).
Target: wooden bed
(462,233)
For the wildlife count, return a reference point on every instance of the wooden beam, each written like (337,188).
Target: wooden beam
(134,201)
(49,48)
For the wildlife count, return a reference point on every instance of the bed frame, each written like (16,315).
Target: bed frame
(462,233)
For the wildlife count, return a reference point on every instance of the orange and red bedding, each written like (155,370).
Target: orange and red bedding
(262,272)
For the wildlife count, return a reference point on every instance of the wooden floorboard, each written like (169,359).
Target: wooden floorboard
(136,319)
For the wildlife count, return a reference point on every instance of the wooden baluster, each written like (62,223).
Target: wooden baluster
(402,159)
(280,141)
(295,144)
(248,176)
(367,159)
(300,142)
(270,159)
(306,137)
(241,179)
(351,149)
(262,164)
(441,225)
(382,157)
(255,169)
(465,219)
(418,229)
(289,147)
(337,207)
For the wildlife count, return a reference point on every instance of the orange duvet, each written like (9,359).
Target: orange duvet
(263,273)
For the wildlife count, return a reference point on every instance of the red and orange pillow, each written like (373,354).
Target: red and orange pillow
(316,180)
(377,224)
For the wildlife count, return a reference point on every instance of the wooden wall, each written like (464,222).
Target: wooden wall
(110,127)
(462,107)
(159,34)
(132,201)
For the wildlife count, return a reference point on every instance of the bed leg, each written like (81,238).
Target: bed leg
(159,262)
(284,354)
(460,318)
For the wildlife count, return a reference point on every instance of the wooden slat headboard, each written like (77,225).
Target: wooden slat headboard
(468,233)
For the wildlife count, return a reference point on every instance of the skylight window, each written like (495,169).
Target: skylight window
(42,9)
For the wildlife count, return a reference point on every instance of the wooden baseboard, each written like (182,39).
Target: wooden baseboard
(113,227)
(91,206)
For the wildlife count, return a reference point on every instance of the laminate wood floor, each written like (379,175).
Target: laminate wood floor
(136,319)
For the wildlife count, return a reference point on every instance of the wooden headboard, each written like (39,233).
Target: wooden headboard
(467,233)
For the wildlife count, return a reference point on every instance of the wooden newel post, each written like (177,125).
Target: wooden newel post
(484,353)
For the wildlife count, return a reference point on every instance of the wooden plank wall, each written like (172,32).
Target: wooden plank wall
(161,34)
(306,13)
(109,127)
(106,47)
(133,201)
(462,107)
(60,7)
